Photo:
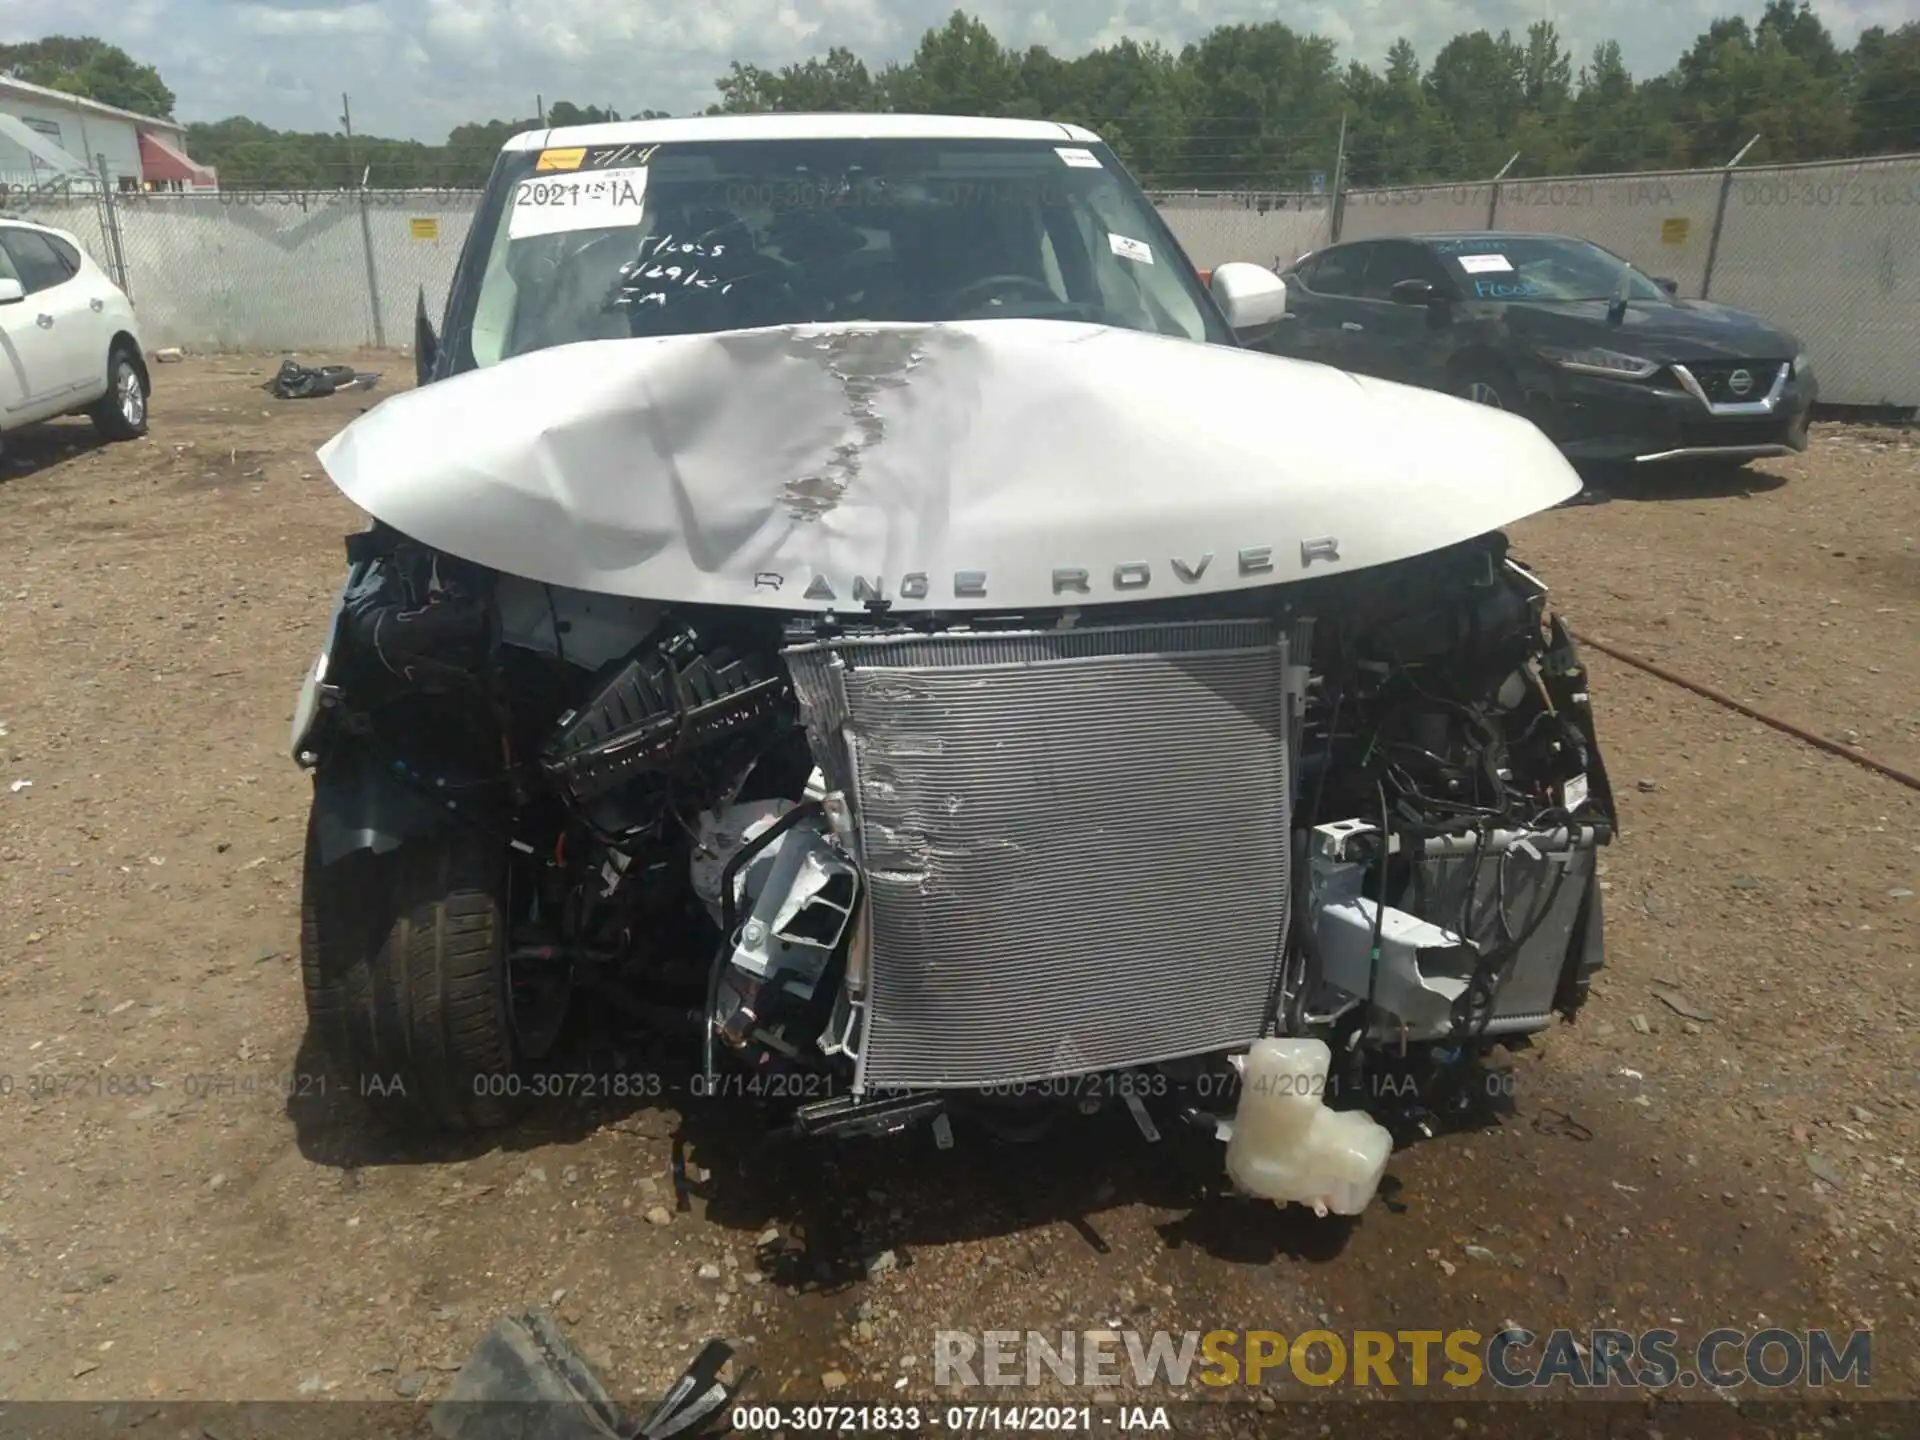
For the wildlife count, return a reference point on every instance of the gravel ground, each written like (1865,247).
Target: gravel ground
(1725,1138)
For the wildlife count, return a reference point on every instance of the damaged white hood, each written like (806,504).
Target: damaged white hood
(985,465)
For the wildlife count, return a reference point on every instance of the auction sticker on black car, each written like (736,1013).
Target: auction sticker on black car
(581,200)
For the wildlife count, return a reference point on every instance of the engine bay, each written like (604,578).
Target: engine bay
(945,864)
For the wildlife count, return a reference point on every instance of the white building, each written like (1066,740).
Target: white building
(47,136)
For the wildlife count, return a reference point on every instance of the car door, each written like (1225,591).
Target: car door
(1399,341)
(70,355)
(25,358)
(1320,303)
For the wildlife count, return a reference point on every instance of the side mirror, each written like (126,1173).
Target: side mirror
(12,292)
(1252,297)
(1672,287)
(426,345)
(1414,292)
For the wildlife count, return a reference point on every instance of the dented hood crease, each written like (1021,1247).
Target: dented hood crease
(779,467)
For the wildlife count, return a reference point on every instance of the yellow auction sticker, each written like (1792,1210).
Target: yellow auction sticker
(568,159)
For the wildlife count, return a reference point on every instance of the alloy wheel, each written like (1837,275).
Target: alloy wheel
(131,395)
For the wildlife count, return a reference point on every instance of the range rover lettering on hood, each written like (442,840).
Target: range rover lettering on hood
(984,464)
(1132,575)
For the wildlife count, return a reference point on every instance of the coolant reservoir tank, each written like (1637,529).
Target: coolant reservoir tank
(1288,1146)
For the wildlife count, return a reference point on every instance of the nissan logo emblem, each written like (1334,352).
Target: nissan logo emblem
(1740,382)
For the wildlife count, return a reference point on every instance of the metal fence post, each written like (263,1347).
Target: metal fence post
(366,229)
(1337,202)
(1493,195)
(373,271)
(1720,216)
(110,223)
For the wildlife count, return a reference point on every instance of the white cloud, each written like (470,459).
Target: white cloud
(417,67)
(303,22)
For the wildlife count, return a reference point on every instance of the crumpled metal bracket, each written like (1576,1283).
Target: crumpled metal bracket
(525,1381)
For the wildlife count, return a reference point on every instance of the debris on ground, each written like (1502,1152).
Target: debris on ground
(294,381)
(525,1378)
(1680,1004)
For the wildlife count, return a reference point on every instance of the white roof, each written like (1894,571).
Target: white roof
(835,126)
(41,95)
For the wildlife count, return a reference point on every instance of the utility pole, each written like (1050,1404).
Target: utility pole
(540,110)
(366,226)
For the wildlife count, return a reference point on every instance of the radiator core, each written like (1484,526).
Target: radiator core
(1075,841)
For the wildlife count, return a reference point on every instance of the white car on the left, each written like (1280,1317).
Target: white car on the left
(69,344)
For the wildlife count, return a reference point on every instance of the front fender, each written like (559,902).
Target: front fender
(357,805)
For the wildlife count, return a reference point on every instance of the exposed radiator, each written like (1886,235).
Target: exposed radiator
(1075,841)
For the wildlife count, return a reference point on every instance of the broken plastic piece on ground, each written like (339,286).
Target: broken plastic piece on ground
(1287,1146)
(525,1381)
(294,381)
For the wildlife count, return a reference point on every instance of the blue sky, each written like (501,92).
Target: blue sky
(417,67)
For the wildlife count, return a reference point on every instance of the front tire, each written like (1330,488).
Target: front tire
(121,413)
(403,959)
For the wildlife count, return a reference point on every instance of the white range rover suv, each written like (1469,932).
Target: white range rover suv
(69,344)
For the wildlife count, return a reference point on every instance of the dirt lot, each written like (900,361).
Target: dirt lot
(163,1234)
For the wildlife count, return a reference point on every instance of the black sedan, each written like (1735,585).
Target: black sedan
(1607,361)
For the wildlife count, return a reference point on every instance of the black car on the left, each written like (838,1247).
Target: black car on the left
(1608,361)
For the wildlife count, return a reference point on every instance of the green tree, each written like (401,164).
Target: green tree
(1804,35)
(565,112)
(85,66)
(1541,134)
(1546,70)
(1780,80)
(1885,90)
(961,69)
(1611,126)
(1265,106)
(1395,134)
(1477,86)
(840,82)
(1135,96)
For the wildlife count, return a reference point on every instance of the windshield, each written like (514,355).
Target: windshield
(615,241)
(1540,267)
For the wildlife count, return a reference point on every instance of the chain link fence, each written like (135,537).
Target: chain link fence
(1832,252)
(290,270)
(1274,229)
(1829,251)
(1411,209)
